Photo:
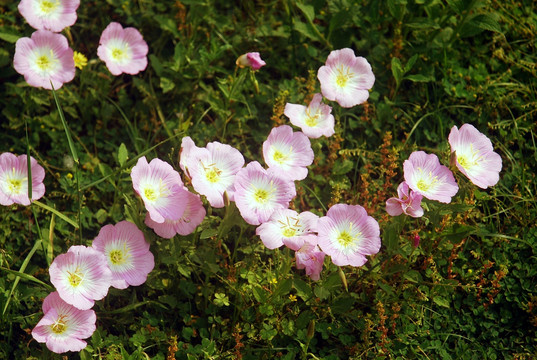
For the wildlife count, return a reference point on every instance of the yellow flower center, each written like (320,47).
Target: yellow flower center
(116,257)
(261,196)
(47,6)
(44,62)
(118,54)
(425,183)
(290,228)
(468,160)
(345,239)
(59,325)
(212,173)
(343,76)
(150,194)
(289,232)
(75,278)
(279,157)
(14,186)
(311,121)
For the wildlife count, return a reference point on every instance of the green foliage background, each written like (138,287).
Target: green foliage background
(467,292)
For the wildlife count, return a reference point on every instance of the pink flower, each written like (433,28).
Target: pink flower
(314,120)
(123,50)
(311,258)
(44,58)
(288,153)
(426,176)
(346,78)
(475,156)
(63,326)
(407,202)
(212,170)
(251,59)
(81,276)
(347,234)
(14,179)
(192,216)
(258,193)
(287,227)
(53,15)
(161,189)
(187,146)
(126,252)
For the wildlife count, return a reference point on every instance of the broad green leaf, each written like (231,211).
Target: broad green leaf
(397,70)
(10,38)
(441,301)
(302,289)
(122,154)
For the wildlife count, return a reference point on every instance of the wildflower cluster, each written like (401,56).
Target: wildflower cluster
(45,58)
(473,155)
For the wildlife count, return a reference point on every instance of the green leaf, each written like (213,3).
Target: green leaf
(410,63)
(419,78)
(10,38)
(302,289)
(307,10)
(441,301)
(122,155)
(487,22)
(166,85)
(397,70)
(321,292)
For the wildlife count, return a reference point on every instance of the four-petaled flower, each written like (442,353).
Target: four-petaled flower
(192,216)
(14,179)
(258,193)
(63,326)
(126,252)
(314,120)
(81,276)
(161,189)
(288,153)
(122,49)
(348,234)
(44,58)
(289,228)
(53,15)
(475,156)
(426,176)
(346,78)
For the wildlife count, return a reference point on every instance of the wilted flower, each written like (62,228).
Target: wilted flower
(192,216)
(53,15)
(43,59)
(81,276)
(123,50)
(475,157)
(287,227)
(407,202)
(212,170)
(63,326)
(425,175)
(288,153)
(258,193)
(348,234)
(14,179)
(311,258)
(346,78)
(161,189)
(126,252)
(315,120)
(251,59)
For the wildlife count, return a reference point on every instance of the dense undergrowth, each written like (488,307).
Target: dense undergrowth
(466,292)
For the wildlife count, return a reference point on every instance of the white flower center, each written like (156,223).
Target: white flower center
(15,183)
(343,75)
(312,119)
(426,182)
(119,51)
(469,158)
(153,192)
(290,227)
(44,62)
(212,173)
(347,238)
(75,278)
